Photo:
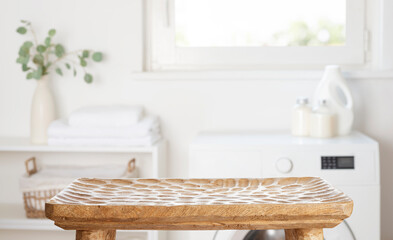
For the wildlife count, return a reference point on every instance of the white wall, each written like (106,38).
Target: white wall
(185,107)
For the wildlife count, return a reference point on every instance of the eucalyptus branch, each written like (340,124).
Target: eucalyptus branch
(40,55)
(33,33)
(64,56)
(47,52)
(72,61)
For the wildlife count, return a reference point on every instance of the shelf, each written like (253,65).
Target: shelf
(12,217)
(12,214)
(12,144)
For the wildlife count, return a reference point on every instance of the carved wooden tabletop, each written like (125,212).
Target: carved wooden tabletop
(302,206)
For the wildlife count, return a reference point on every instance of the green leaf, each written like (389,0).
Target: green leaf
(68,66)
(83,62)
(24,51)
(88,78)
(21,30)
(25,22)
(59,50)
(97,56)
(52,32)
(23,59)
(27,44)
(74,72)
(38,59)
(25,68)
(47,41)
(41,48)
(37,73)
(29,75)
(85,53)
(58,71)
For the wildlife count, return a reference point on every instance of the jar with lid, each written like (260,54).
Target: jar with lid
(323,121)
(301,117)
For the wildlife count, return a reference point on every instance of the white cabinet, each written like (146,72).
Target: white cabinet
(150,161)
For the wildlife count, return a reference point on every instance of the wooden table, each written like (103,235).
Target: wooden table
(96,208)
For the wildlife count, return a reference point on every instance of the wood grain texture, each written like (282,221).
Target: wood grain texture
(304,234)
(96,235)
(199,204)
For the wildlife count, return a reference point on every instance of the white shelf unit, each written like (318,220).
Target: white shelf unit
(24,145)
(12,214)
(12,217)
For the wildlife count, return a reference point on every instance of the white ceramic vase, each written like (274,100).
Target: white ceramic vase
(42,111)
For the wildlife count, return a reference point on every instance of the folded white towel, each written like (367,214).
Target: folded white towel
(143,141)
(106,116)
(60,129)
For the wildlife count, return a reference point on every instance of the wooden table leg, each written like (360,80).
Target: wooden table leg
(304,234)
(95,234)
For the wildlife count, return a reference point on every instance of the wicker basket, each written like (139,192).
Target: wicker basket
(40,189)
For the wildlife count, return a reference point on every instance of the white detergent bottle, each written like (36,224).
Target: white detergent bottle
(333,89)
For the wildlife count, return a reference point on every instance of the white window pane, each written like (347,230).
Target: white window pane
(255,23)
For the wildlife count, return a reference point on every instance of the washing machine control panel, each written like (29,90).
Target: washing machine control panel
(338,162)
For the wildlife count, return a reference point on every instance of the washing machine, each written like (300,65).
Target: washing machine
(350,163)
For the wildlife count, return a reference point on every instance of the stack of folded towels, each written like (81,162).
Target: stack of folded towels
(105,126)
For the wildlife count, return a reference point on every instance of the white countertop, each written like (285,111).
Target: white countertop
(258,138)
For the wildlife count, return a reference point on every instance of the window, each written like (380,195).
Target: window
(253,34)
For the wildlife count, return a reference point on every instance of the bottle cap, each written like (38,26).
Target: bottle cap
(302,100)
(332,67)
(323,102)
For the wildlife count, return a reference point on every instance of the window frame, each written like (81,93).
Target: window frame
(161,53)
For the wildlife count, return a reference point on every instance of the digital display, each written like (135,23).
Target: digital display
(345,162)
(338,162)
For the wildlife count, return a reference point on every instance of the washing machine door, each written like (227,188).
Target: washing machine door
(341,232)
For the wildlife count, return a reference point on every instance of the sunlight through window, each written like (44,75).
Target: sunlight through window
(256,23)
